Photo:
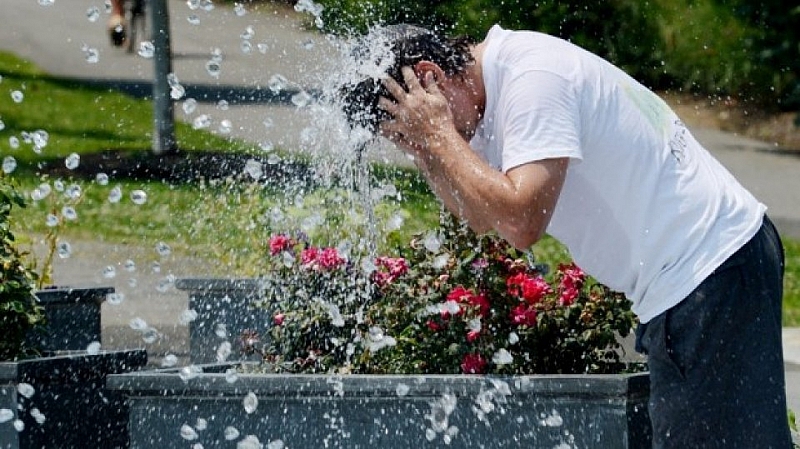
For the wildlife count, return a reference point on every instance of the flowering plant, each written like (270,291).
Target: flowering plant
(454,302)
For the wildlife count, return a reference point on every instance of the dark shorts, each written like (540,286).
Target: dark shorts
(716,359)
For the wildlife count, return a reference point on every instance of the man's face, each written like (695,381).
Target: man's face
(464,105)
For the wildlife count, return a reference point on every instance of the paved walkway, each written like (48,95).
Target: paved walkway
(55,37)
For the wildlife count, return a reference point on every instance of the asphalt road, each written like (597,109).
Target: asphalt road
(59,37)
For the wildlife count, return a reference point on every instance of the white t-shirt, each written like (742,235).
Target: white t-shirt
(645,209)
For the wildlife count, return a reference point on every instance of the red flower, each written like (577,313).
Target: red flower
(473,364)
(473,335)
(330,259)
(459,294)
(433,325)
(481,302)
(278,243)
(278,319)
(523,315)
(568,296)
(532,289)
(389,269)
(309,255)
(571,276)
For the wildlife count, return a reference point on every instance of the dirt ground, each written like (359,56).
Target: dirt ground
(780,129)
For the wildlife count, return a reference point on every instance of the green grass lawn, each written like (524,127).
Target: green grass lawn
(228,221)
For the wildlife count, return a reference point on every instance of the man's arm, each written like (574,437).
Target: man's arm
(517,204)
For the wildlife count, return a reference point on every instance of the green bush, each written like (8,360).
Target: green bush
(19,312)
(717,47)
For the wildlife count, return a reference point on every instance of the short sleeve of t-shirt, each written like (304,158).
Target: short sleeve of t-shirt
(537,118)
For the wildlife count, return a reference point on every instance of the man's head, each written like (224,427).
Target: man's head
(408,45)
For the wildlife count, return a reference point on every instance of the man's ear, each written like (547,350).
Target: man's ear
(423,67)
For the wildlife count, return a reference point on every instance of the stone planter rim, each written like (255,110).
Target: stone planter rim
(73,295)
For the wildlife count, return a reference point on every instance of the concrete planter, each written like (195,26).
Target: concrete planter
(73,318)
(61,400)
(173,409)
(225,304)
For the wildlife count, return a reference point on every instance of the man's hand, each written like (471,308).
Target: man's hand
(420,115)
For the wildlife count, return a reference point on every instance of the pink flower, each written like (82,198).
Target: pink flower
(278,319)
(473,335)
(523,315)
(309,255)
(330,259)
(473,364)
(571,276)
(389,269)
(278,243)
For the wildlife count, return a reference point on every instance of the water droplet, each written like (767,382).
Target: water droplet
(138,197)
(189,372)
(267,146)
(201,122)
(150,335)
(224,351)
(253,168)
(93,13)
(9,164)
(246,47)
(101,179)
(213,68)
(221,330)
(502,357)
(276,444)
(37,416)
(163,249)
(432,242)
(72,192)
(26,389)
(39,138)
(513,338)
(225,126)
(277,83)
(138,324)
(193,4)
(273,159)
(250,403)
(13,142)
(6,415)
(177,92)
(19,426)
(115,298)
(231,433)
(46,2)
(189,106)
(187,316)
(93,348)
(249,442)
(188,433)
(69,213)
(402,389)
(248,33)
(115,195)
(308,44)
(2,123)
(263,48)
(222,105)
(92,55)
(64,250)
(231,376)
(146,49)
(41,192)
(130,266)
(169,360)
(193,19)
(51,220)
(201,424)
(239,9)
(301,99)
(132,282)
(109,272)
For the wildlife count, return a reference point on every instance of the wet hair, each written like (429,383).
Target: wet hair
(409,45)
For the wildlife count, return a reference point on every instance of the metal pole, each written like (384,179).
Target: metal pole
(164,119)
